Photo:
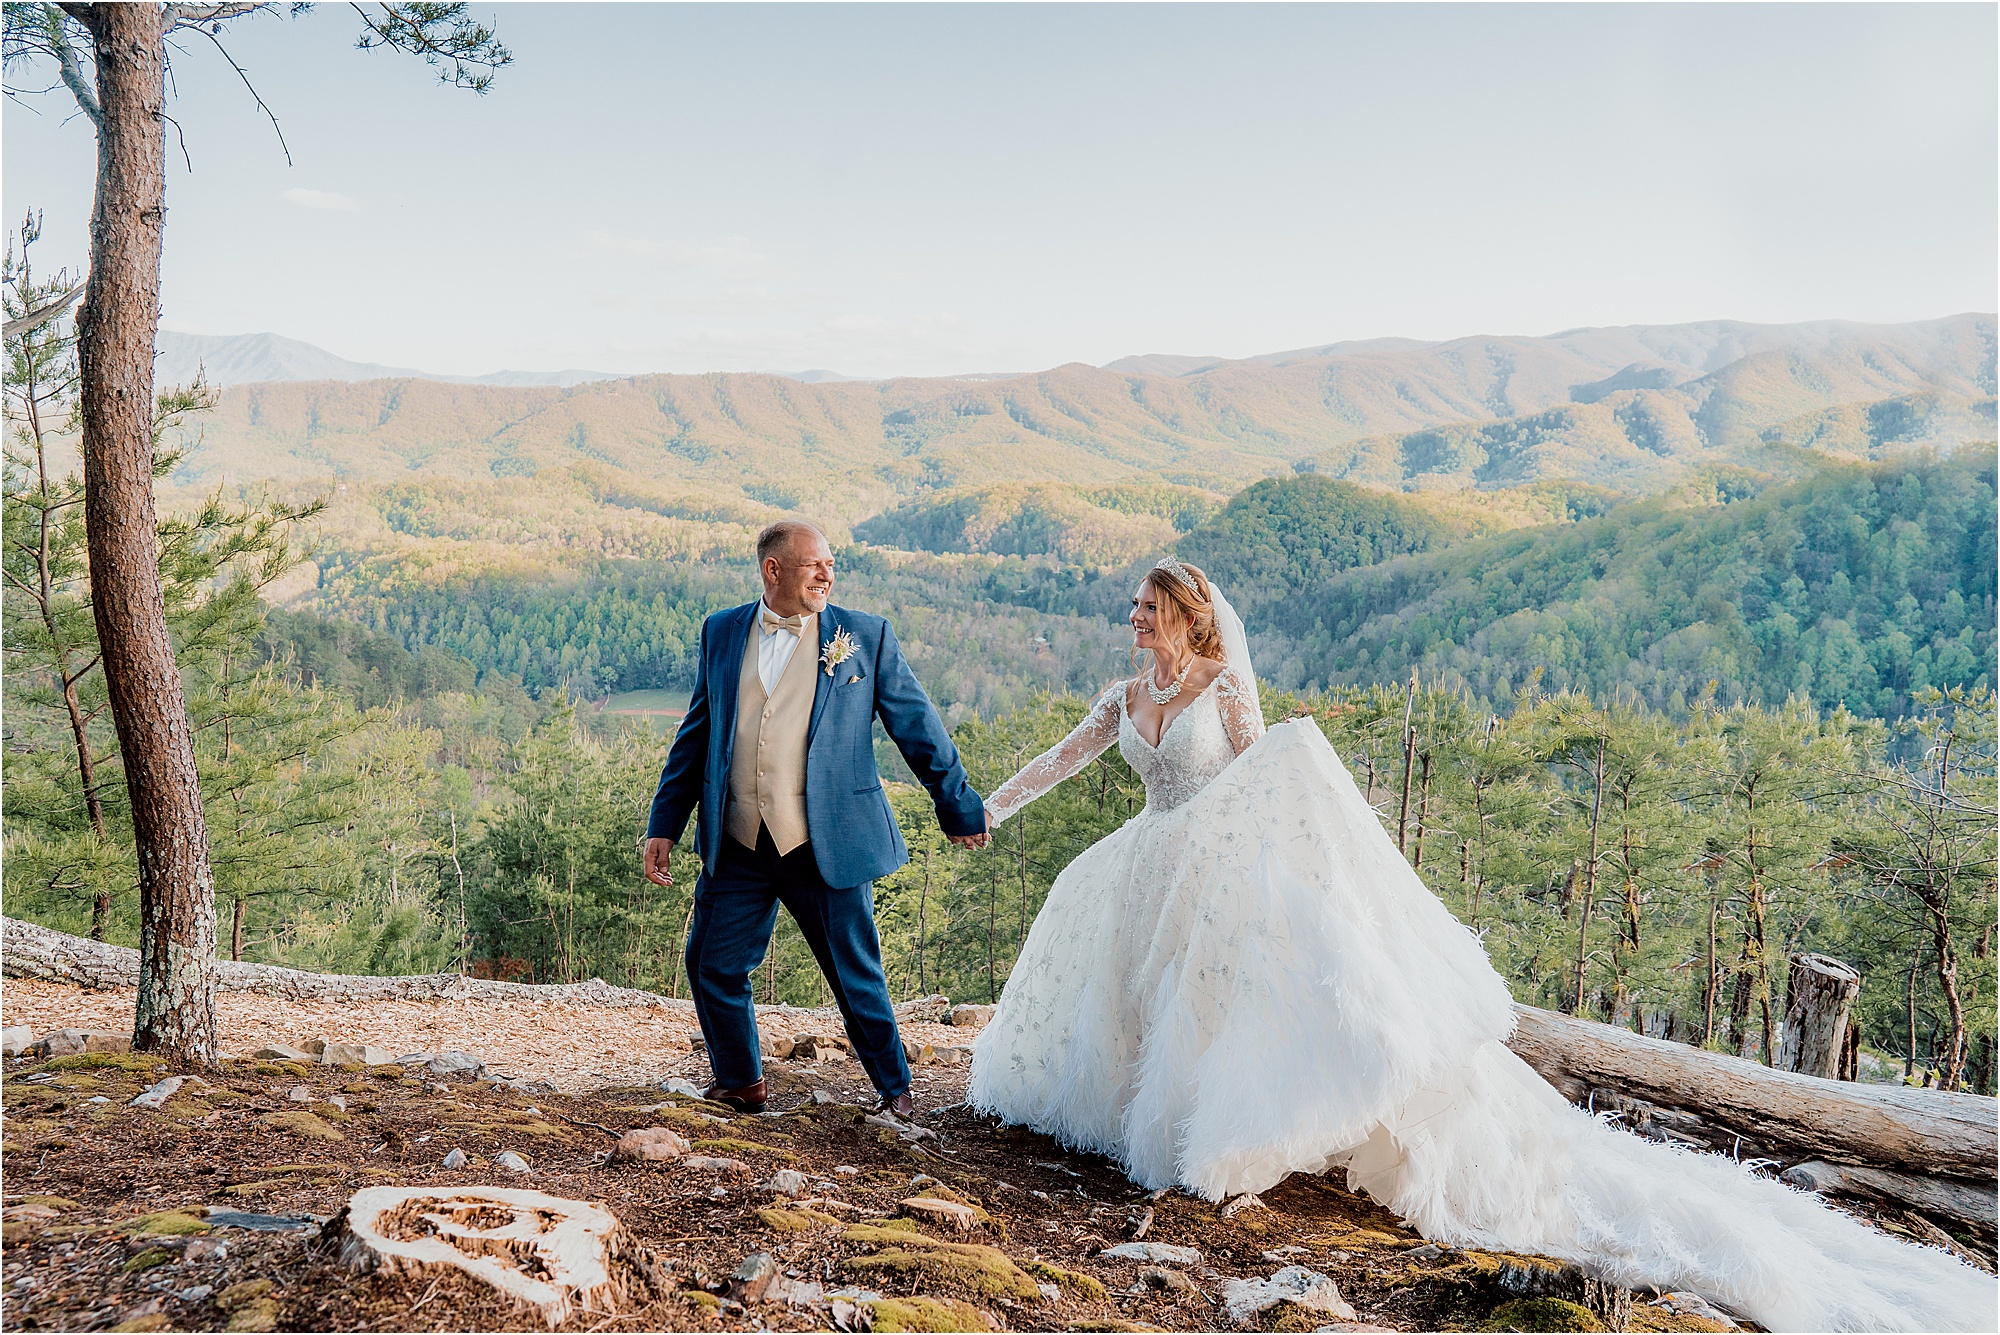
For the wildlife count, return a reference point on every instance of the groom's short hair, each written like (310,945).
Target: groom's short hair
(771,542)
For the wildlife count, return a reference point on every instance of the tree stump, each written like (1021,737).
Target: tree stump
(1821,990)
(553,1255)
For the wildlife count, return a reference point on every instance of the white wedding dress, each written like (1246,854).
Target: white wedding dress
(1247,980)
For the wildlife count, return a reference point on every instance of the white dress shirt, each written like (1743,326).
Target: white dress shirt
(774,651)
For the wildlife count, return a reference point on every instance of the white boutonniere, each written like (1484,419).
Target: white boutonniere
(838,650)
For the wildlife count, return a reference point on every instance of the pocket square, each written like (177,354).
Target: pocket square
(851,680)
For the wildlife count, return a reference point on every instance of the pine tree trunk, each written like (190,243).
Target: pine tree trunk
(176,1006)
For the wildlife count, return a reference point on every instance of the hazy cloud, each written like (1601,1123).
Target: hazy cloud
(320,199)
(733,253)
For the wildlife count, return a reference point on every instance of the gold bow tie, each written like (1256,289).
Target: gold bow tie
(773,622)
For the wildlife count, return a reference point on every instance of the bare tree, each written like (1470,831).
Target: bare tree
(112,57)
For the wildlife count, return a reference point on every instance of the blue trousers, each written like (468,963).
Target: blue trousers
(734,912)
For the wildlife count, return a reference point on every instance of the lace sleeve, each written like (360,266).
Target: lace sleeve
(1242,714)
(1087,741)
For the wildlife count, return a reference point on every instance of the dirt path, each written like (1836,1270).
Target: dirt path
(575,1048)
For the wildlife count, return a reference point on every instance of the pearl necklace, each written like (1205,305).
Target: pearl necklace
(1161,695)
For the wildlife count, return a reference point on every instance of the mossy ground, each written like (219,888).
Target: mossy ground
(126,1182)
(942,1314)
(1541,1314)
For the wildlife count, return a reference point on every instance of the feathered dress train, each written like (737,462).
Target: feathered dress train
(1247,980)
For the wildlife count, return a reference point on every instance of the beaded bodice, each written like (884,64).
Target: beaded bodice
(1198,744)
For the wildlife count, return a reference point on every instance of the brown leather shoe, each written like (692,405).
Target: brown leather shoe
(748,1099)
(902,1106)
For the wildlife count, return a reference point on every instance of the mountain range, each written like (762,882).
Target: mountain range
(258,359)
(247,359)
(1635,408)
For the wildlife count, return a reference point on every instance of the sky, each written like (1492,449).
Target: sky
(943,189)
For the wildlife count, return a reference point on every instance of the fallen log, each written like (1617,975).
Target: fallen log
(1953,1198)
(1921,1131)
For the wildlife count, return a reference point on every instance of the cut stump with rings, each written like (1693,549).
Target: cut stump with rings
(553,1255)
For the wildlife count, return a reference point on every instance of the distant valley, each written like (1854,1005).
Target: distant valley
(1485,507)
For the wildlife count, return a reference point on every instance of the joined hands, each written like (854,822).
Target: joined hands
(659,850)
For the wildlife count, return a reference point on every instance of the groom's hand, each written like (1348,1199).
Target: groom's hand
(980,840)
(657,852)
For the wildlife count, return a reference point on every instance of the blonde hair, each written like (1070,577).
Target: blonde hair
(1193,613)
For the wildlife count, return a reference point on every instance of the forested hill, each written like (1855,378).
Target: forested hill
(1856,587)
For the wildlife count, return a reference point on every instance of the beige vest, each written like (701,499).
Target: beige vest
(767,773)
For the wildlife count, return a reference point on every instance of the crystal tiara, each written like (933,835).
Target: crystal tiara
(1179,572)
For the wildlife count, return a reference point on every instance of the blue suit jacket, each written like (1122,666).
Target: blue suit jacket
(854,834)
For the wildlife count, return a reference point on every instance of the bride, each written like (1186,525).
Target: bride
(1247,980)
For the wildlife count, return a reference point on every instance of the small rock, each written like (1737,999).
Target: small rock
(1693,1304)
(300,1094)
(825,1096)
(753,1275)
(279,1052)
(909,1131)
(97,1098)
(519,1085)
(31,1214)
(205,1249)
(196,1293)
(1430,1251)
(1050,1293)
(1295,1284)
(650,1144)
(683,1087)
(348,1054)
(778,1046)
(703,1163)
(453,1160)
(961,1217)
(787,1182)
(1168,1281)
(512,1162)
(951,1056)
(969,1016)
(161,1092)
(260,1223)
(794,1292)
(340,1101)
(312,1046)
(846,1170)
(454,1062)
(15,1039)
(69,1042)
(918,1054)
(1153,1253)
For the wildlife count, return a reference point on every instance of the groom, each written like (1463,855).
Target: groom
(777,752)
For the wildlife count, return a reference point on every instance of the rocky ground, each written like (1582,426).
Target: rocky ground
(213,1210)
